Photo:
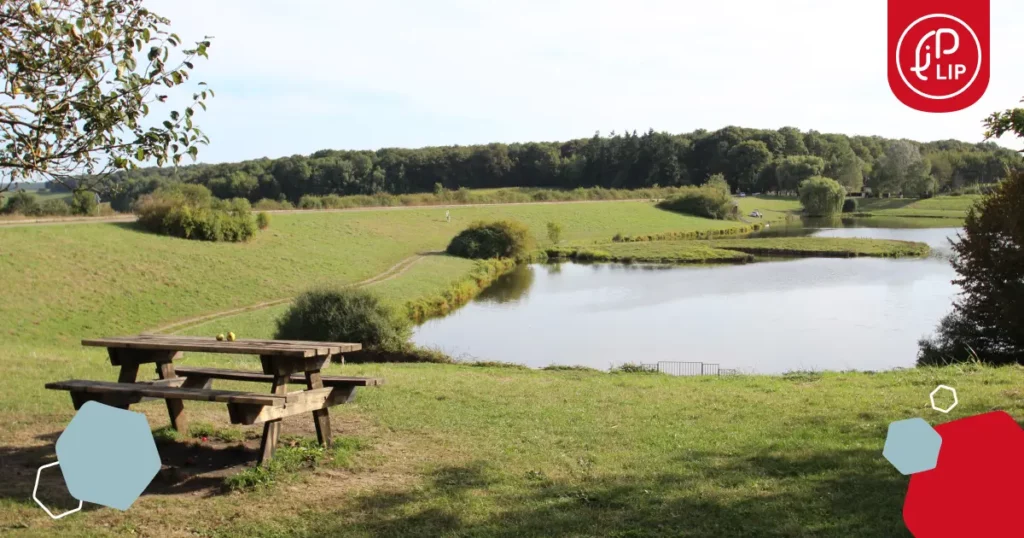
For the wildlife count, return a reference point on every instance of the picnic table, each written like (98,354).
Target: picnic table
(282,361)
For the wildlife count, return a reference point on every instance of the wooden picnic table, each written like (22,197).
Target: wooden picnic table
(281,360)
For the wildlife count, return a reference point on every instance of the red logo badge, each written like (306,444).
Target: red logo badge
(938,53)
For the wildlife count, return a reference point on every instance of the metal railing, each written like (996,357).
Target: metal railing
(688,368)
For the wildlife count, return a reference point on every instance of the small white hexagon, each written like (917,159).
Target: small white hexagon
(35,488)
(936,391)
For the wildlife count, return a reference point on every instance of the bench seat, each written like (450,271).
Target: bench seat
(242,375)
(154,390)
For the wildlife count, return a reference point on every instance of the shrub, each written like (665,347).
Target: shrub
(717,181)
(343,315)
(266,204)
(191,212)
(55,207)
(709,201)
(84,202)
(262,220)
(989,261)
(821,196)
(22,203)
(555,232)
(310,202)
(500,239)
(850,205)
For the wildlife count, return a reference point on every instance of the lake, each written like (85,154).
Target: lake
(770,317)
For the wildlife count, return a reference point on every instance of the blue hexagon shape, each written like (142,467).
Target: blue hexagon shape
(912,446)
(107,455)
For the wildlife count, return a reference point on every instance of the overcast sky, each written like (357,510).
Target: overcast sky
(296,76)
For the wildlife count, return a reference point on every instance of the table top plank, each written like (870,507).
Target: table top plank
(280,348)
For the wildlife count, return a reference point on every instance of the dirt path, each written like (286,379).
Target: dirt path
(16,223)
(392,272)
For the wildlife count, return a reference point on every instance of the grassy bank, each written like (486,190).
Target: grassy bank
(739,250)
(824,247)
(946,207)
(450,450)
(677,252)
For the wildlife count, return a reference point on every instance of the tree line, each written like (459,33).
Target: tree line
(751,160)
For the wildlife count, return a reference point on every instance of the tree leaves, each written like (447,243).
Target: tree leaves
(69,80)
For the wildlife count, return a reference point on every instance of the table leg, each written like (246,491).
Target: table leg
(129,374)
(272,428)
(321,417)
(175,408)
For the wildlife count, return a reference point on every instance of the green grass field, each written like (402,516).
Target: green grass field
(460,450)
(451,450)
(953,207)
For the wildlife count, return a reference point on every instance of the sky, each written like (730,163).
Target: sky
(293,77)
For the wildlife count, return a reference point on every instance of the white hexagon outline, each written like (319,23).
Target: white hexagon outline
(35,488)
(931,397)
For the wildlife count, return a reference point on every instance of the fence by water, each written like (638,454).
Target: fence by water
(688,368)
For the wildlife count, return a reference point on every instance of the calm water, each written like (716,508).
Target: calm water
(773,317)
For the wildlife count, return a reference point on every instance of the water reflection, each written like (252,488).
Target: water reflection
(767,317)
(510,287)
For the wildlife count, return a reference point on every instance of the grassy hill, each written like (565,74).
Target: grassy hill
(449,449)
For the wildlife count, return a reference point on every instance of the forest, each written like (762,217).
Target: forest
(752,161)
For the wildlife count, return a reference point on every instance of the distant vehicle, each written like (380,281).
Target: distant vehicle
(743,195)
(756,214)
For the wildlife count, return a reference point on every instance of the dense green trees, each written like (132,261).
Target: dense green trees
(751,160)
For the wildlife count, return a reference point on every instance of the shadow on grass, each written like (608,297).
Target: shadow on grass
(849,493)
(186,468)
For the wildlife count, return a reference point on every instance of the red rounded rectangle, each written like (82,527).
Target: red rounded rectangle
(938,53)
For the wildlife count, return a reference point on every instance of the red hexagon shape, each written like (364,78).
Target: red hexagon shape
(974,490)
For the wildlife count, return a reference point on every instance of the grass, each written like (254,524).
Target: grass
(823,246)
(740,250)
(476,450)
(952,207)
(651,252)
(481,451)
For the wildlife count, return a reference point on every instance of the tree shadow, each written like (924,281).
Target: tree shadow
(848,493)
(186,467)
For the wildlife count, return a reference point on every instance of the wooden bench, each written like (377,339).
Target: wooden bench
(283,361)
(243,407)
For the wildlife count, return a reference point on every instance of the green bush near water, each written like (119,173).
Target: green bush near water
(850,205)
(822,196)
(344,315)
(499,239)
(709,201)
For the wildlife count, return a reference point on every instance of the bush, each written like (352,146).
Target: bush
(555,232)
(344,315)
(55,207)
(500,239)
(821,196)
(709,201)
(310,202)
(262,220)
(266,204)
(22,203)
(84,203)
(191,212)
(989,261)
(850,205)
